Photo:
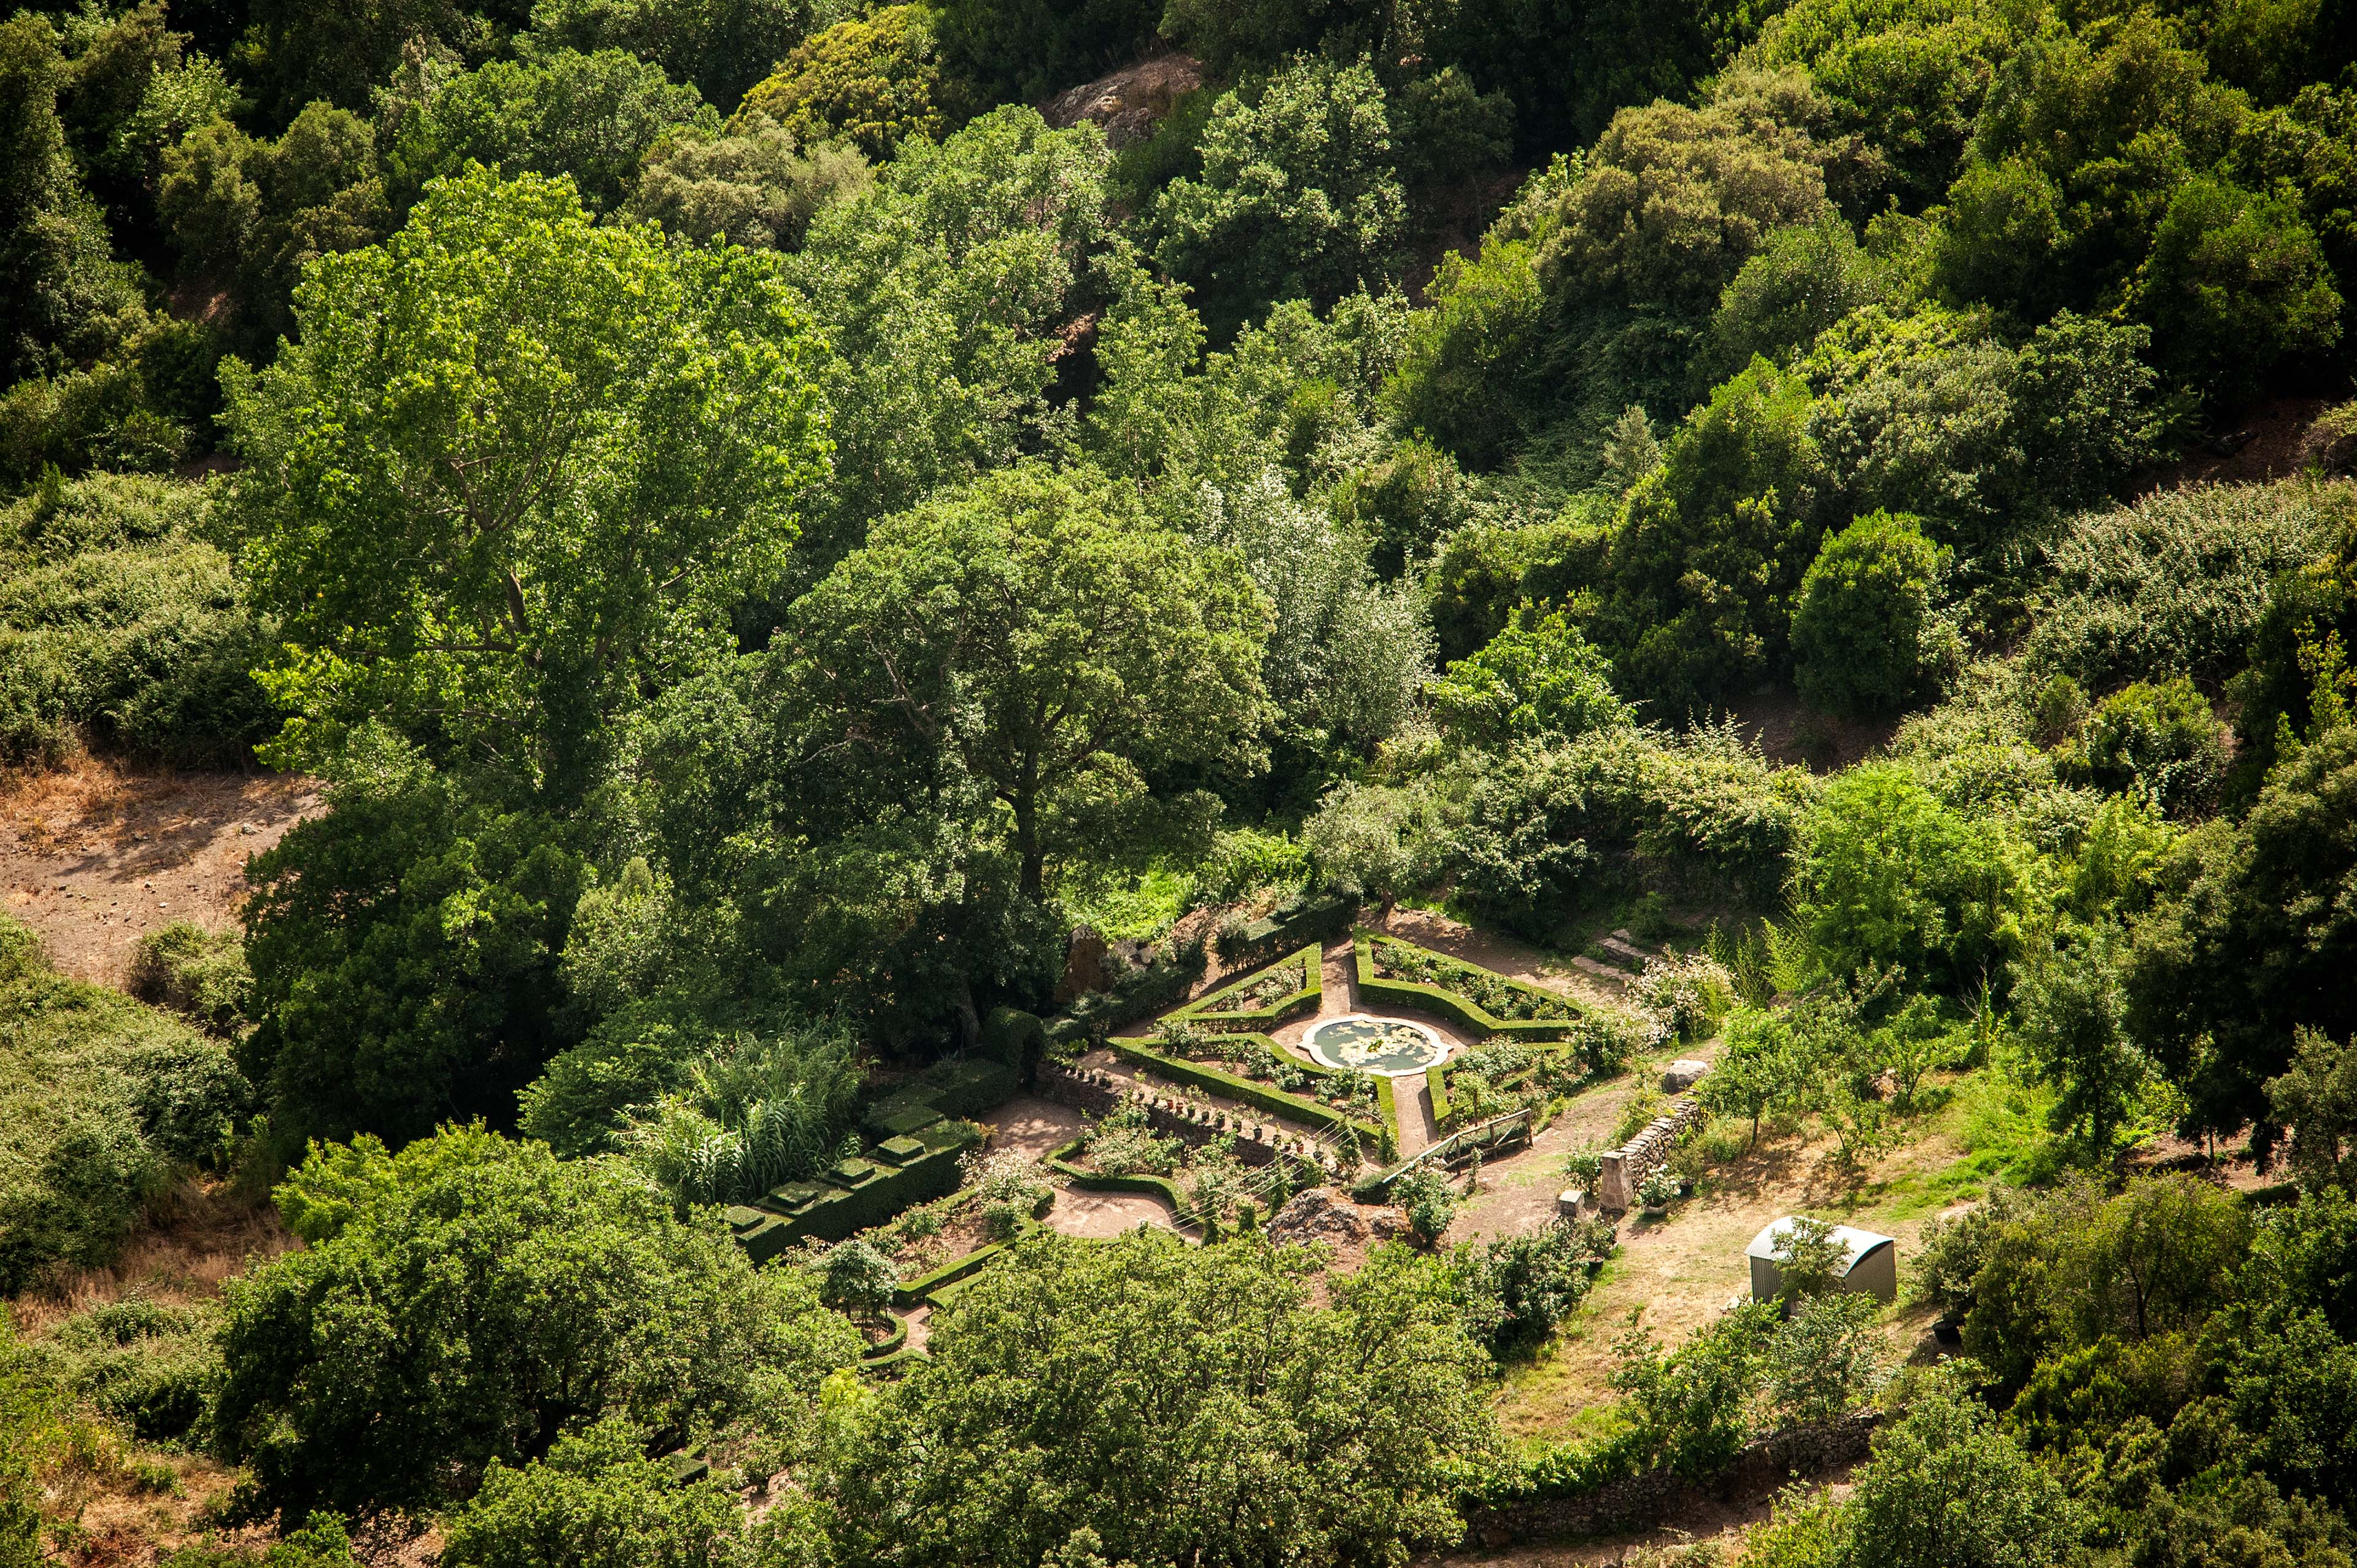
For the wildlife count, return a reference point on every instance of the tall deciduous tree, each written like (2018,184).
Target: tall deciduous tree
(1174,1404)
(1037,629)
(482,1307)
(517,471)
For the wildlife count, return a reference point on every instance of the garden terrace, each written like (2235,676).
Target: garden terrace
(1484,1080)
(1400,975)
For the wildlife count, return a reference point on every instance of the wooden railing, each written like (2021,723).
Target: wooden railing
(1514,1127)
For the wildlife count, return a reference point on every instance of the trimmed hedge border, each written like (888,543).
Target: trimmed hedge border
(1462,1011)
(1061,1162)
(890,1347)
(1436,1079)
(921,1290)
(1259,1020)
(895,1364)
(1260,1095)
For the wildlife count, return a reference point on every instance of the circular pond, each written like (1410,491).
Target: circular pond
(1389,1047)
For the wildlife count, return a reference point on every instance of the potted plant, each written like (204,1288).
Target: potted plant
(1655,1193)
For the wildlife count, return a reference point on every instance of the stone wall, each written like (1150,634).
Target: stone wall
(1096,1093)
(1624,1168)
(1643,1502)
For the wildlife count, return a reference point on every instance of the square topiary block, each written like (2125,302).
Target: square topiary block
(949,1135)
(740,1217)
(853,1172)
(901,1150)
(907,1119)
(795,1196)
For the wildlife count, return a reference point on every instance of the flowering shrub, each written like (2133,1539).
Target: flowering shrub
(1266,992)
(1123,1144)
(1010,1187)
(1684,997)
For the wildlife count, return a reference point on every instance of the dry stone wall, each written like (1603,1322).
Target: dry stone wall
(1626,1167)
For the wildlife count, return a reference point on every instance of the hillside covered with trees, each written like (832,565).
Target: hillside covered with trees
(764,521)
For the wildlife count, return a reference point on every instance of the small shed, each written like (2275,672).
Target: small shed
(1869,1263)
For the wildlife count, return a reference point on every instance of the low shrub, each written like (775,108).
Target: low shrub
(102,1100)
(1124,1143)
(198,973)
(144,1364)
(122,621)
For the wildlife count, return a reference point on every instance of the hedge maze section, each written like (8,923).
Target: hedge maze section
(1292,988)
(1478,1001)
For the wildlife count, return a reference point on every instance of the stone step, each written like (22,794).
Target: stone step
(1624,953)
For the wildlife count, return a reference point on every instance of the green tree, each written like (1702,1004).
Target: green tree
(1801,282)
(873,81)
(2072,1009)
(2317,1100)
(1892,877)
(2159,740)
(67,300)
(947,291)
(1827,1359)
(1763,1066)
(589,116)
(2234,286)
(519,468)
(1673,200)
(1036,626)
(1026,50)
(756,186)
(1461,378)
(488,1308)
(1865,636)
(2249,941)
(596,1501)
(1947,1487)
(1537,678)
(1711,553)
(404,949)
(724,47)
(294,53)
(1182,1403)
(1298,197)
(245,213)
(1689,1409)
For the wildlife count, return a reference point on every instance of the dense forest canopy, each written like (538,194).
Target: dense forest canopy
(761,518)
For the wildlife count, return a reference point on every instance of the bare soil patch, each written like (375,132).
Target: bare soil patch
(1493,951)
(1034,1127)
(1787,731)
(2262,444)
(195,1239)
(1105,1214)
(95,855)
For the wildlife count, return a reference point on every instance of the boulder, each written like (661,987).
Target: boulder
(1318,1214)
(1126,104)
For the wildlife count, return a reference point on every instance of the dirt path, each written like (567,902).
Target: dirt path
(94,856)
(1419,1128)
